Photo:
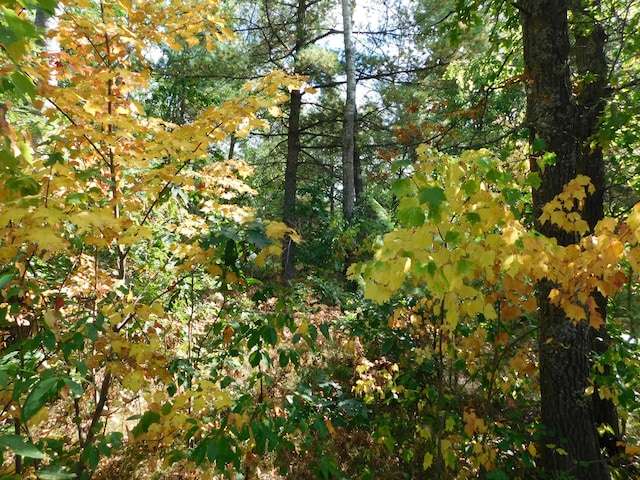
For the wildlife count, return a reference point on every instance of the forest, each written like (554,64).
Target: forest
(294,239)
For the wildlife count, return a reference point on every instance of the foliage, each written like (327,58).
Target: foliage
(138,297)
(105,217)
(466,269)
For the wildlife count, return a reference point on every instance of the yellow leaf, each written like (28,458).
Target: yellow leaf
(275,111)
(280,230)
(510,235)
(532,450)
(223,400)
(330,427)
(303,328)
(38,418)
(50,319)
(608,224)
(574,312)
(632,450)
(427,461)
(133,381)
(490,312)
(260,259)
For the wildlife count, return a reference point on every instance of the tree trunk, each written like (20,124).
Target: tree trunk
(290,184)
(348,131)
(357,171)
(571,442)
(592,69)
(294,148)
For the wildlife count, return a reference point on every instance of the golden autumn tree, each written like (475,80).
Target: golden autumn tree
(462,271)
(92,239)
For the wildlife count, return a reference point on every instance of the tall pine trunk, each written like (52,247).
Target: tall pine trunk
(571,444)
(348,129)
(294,148)
(290,184)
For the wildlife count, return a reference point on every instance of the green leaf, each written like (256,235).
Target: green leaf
(470,187)
(533,180)
(55,157)
(402,187)
(473,217)
(432,268)
(91,455)
(411,217)
(254,358)
(25,184)
(257,237)
(494,175)
(76,199)
(465,267)
(5,279)
(21,446)
(283,359)
(512,197)
(270,334)
(400,164)
(48,6)
(433,196)
(7,36)
(452,238)
(76,389)
(54,472)
(548,159)
(324,328)
(43,391)
(497,474)
(538,145)
(485,163)
(147,419)
(21,27)
(23,85)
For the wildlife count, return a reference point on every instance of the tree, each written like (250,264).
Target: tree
(91,241)
(284,36)
(349,120)
(559,131)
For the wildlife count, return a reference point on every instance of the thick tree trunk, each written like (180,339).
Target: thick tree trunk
(571,441)
(348,131)
(290,184)
(592,69)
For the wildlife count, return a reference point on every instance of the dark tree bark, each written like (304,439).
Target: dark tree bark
(592,69)
(357,171)
(349,120)
(571,442)
(290,184)
(294,148)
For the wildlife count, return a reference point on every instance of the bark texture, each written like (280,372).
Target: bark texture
(349,120)
(290,184)
(571,444)
(294,149)
(592,92)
